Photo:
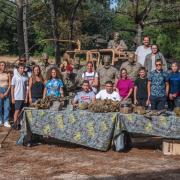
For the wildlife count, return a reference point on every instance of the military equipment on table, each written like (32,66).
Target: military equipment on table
(83,106)
(125,108)
(50,102)
(177,111)
(106,105)
(139,110)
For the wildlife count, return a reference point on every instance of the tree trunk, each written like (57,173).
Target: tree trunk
(138,37)
(21,47)
(25,32)
(55,31)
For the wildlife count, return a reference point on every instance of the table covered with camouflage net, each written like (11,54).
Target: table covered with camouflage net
(94,130)
(166,126)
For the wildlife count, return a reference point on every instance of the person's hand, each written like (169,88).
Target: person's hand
(135,101)
(13,100)
(1,95)
(125,98)
(174,95)
(5,94)
(26,100)
(170,96)
(147,102)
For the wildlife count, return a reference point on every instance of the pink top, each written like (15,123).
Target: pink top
(124,86)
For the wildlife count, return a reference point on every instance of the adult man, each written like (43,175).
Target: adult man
(84,96)
(131,66)
(116,43)
(107,72)
(143,50)
(158,87)
(44,64)
(150,59)
(108,93)
(27,70)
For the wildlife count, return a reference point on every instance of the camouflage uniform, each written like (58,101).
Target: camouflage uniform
(78,78)
(132,69)
(107,74)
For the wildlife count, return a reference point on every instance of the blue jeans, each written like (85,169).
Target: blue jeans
(158,103)
(5,102)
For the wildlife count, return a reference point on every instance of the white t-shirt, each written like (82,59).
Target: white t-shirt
(104,95)
(20,86)
(141,53)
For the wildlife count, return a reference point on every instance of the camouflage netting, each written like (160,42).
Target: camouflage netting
(104,106)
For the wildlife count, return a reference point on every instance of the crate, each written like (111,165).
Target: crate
(171,147)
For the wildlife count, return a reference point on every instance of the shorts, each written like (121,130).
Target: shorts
(19,104)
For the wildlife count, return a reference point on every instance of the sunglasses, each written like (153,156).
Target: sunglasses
(158,64)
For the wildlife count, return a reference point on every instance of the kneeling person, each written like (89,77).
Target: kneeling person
(108,93)
(84,96)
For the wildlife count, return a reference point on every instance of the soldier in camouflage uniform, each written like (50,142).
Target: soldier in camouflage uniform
(44,64)
(132,66)
(107,72)
(116,43)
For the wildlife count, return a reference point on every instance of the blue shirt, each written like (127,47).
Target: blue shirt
(53,87)
(174,80)
(158,81)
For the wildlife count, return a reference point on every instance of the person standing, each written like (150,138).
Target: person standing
(140,88)
(5,85)
(91,76)
(158,87)
(143,50)
(19,91)
(54,84)
(107,72)
(125,86)
(174,93)
(36,85)
(150,59)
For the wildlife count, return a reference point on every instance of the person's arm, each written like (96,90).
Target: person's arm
(167,88)
(27,92)
(44,92)
(9,85)
(149,91)
(96,81)
(135,95)
(129,94)
(30,93)
(61,92)
(75,101)
(12,94)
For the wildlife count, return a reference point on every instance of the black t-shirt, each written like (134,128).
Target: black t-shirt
(141,85)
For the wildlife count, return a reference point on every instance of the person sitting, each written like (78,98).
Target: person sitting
(158,87)
(54,84)
(140,88)
(108,93)
(174,93)
(5,85)
(150,59)
(84,96)
(91,76)
(125,86)
(36,85)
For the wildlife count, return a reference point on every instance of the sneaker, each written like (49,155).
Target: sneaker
(6,124)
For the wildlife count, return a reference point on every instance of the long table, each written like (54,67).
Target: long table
(95,130)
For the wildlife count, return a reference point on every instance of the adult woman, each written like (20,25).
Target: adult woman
(54,84)
(5,85)
(150,59)
(36,85)
(91,76)
(124,85)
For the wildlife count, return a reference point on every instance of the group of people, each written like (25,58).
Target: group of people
(142,80)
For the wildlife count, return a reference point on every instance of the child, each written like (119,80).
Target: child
(174,80)
(19,91)
(140,88)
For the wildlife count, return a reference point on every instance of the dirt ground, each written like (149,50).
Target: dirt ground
(65,161)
